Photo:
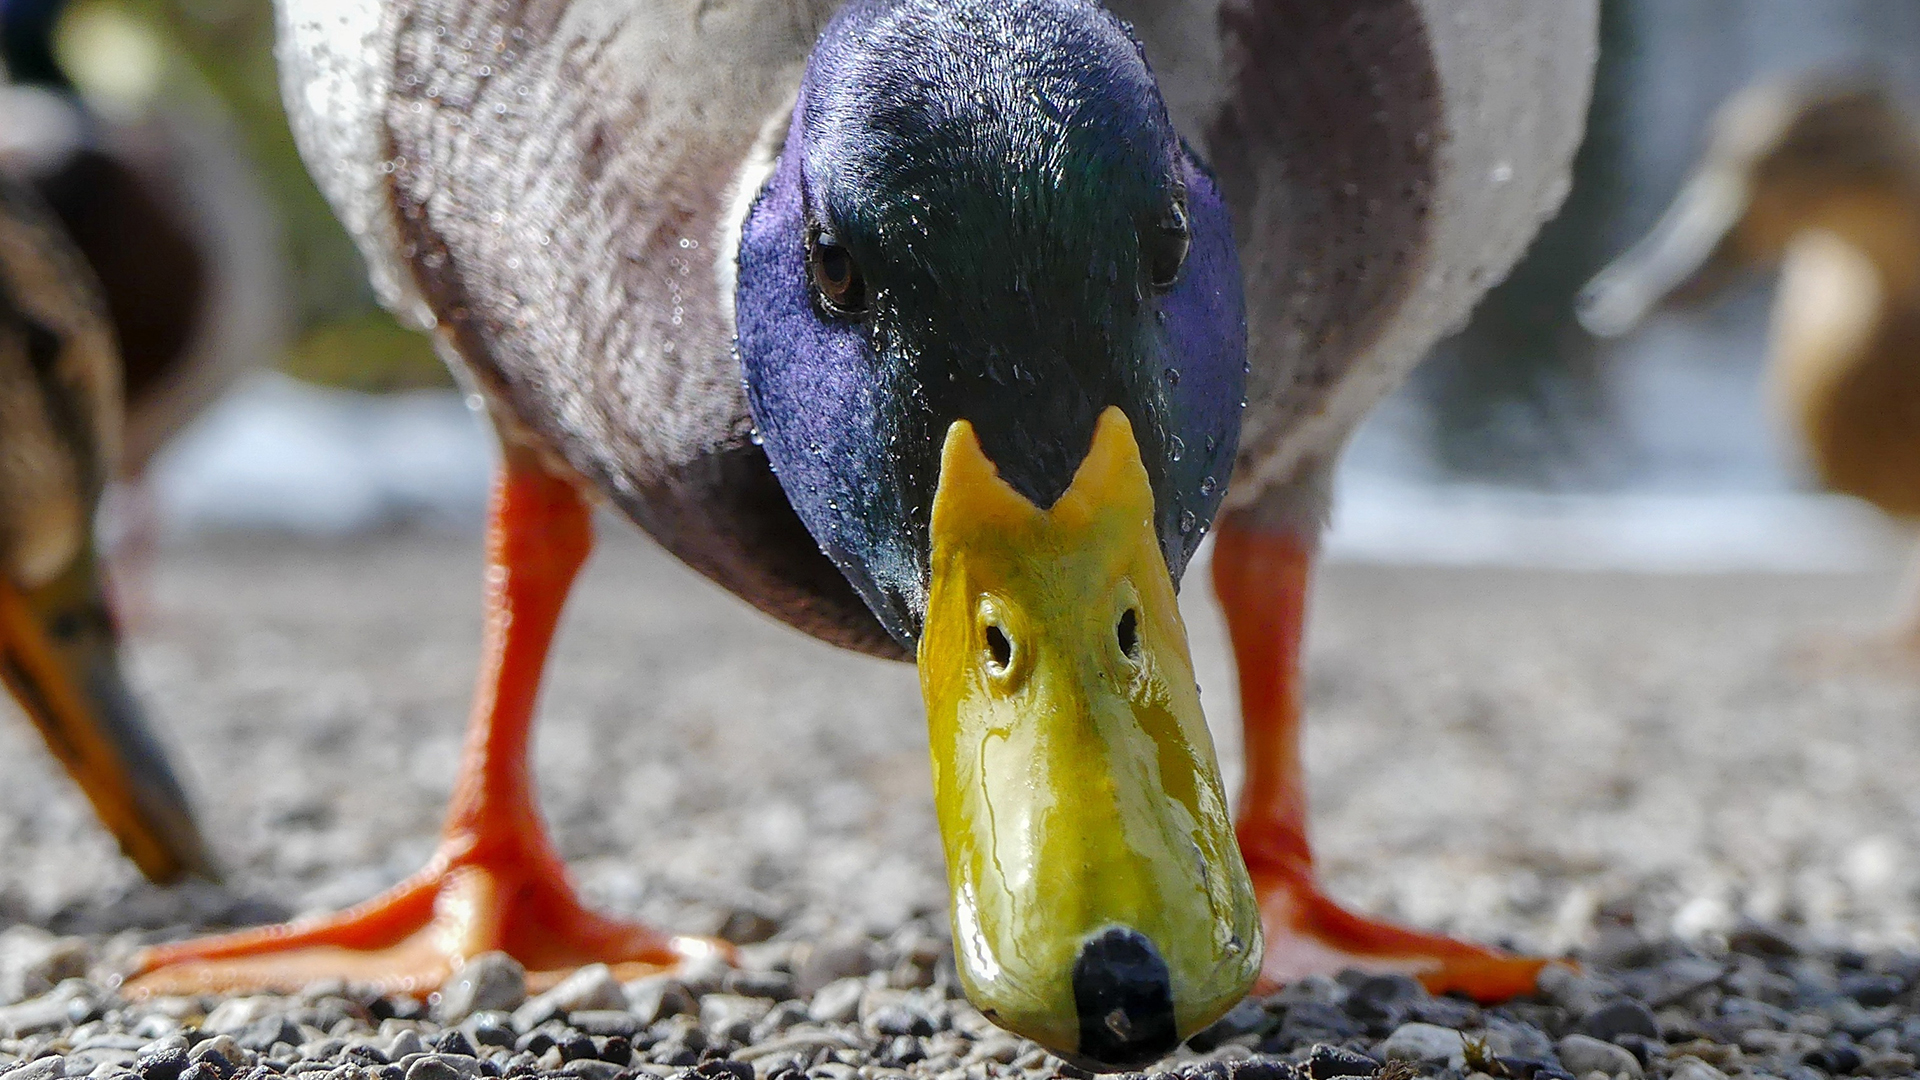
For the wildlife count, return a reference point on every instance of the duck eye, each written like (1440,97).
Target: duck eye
(837,280)
(1165,243)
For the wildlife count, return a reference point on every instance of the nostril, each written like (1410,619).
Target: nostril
(999,648)
(1128,633)
(1124,996)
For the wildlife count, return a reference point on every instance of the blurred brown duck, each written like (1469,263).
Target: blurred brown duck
(161,203)
(1821,179)
(60,431)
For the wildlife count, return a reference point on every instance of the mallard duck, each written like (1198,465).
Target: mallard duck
(162,204)
(924,327)
(59,434)
(1821,178)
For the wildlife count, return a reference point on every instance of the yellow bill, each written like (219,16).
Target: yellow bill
(1099,902)
(59,658)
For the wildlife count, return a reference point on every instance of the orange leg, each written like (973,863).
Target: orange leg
(496,881)
(1261,578)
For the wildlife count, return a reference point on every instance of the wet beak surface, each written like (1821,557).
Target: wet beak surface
(1100,904)
(59,657)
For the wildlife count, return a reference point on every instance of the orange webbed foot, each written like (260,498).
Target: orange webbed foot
(1261,576)
(411,938)
(496,882)
(1309,933)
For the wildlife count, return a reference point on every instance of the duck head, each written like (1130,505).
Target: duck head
(1784,158)
(991,325)
(59,644)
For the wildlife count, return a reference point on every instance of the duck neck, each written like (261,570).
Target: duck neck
(26,42)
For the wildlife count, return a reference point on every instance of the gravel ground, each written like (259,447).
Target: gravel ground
(1637,769)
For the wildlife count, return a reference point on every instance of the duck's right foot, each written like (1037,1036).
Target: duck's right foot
(411,938)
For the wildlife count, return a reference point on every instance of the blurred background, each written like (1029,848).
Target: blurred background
(1523,441)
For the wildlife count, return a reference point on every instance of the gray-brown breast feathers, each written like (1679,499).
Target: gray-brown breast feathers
(1387,161)
(59,393)
(549,185)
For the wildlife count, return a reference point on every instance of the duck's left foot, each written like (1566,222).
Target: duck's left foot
(408,940)
(1308,933)
(1261,576)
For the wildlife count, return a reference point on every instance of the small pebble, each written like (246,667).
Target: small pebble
(1582,1054)
(657,997)
(1325,1061)
(1623,1016)
(1422,1043)
(838,1002)
(432,1067)
(491,981)
(1691,1068)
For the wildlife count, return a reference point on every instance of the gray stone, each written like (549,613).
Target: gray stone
(777,985)
(321,1048)
(900,1019)
(768,1064)
(838,1002)
(592,987)
(730,1016)
(33,962)
(1887,1063)
(591,1069)
(82,1062)
(605,1022)
(54,1009)
(433,1067)
(1575,991)
(1788,1044)
(657,997)
(108,1040)
(1582,1054)
(405,1043)
(1422,1043)
(1677,978)
(778,1019)
(262,1034)
(491,981)
(1510,1039)
(828,961)
(235,1015)
(1621,1016)
(50,1067)
(464,1064)
(704,975)
(1692,1068)
(226,1047)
